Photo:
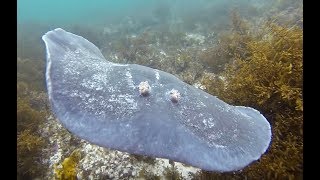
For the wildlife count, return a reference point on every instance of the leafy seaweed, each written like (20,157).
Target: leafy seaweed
(267,75)
(68,168)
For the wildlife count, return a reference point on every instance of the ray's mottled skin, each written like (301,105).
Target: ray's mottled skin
(110,105)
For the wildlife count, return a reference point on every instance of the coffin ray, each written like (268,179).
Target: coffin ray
(99,101)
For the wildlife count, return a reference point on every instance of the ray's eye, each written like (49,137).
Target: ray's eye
(144,88)
(174,95)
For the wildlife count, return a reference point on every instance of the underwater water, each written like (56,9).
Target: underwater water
(245,52)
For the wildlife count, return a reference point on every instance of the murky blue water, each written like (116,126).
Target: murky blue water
(61,12)
(77,11)
(35,17)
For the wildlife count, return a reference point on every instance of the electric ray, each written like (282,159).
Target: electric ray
(145,111)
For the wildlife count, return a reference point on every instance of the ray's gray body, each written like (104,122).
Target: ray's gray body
(99,101)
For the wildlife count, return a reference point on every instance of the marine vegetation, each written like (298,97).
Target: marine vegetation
(143,174)
(29,141)
(266,74)
(29,147)
(67,170)
(31,112)
(31,72)
(230,42)
(172,173)
(146,159)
